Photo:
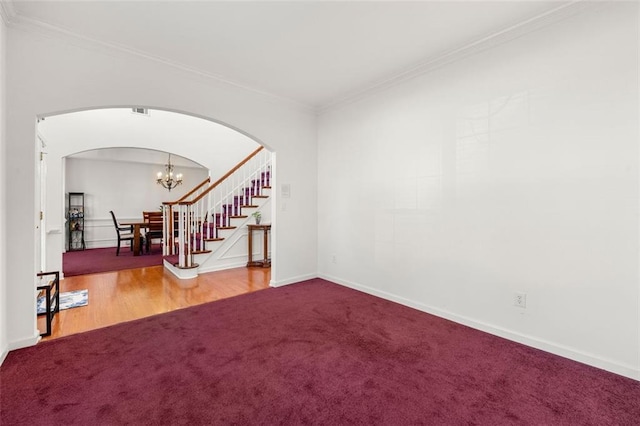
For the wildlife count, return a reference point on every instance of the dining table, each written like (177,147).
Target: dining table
(137,226)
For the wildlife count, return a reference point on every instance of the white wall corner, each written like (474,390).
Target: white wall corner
(7,11)
(37,26)
(292,280)
(3,354)
(5,14)
(563,11)
(25,343)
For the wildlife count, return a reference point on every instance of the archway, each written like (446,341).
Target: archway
(106,135)
(214,146)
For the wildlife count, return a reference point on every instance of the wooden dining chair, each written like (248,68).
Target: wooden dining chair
(125,233)
(154,228)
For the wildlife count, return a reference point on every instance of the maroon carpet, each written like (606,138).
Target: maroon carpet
(313,353)
(93,261)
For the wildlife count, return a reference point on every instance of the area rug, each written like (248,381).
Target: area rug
(68,300)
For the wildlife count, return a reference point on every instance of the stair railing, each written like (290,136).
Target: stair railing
(197,190)
(169,210)
(200,218)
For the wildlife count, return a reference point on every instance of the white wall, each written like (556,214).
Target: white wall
(512,170)
(60,74)
(3,209)
(210,144)
(127,188)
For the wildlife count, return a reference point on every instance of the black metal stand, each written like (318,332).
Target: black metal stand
(52,298)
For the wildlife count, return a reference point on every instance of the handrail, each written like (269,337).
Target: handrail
(188,194)
(180,225)
(229,173)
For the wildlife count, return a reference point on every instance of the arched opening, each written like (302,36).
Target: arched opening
(113,156)
(123,180)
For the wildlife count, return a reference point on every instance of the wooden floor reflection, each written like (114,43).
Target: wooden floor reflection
(121,296)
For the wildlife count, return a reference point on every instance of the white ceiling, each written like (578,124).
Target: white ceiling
(136,155)
(314,53)
(94,130)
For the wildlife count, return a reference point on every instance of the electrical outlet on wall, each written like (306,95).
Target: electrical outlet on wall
(520,300)
(334,258)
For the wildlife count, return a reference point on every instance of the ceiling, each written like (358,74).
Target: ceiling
(136,155)
(105,134)
(313,53)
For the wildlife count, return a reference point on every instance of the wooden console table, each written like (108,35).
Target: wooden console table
(265,262)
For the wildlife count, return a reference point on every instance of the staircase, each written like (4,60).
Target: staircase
(209,222)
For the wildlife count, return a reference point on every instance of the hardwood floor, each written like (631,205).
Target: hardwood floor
(121,296)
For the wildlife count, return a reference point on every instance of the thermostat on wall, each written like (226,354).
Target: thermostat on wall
(285,190)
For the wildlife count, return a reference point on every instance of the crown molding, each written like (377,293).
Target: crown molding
(542,20)
(7,11)
(33,25)
(512,32)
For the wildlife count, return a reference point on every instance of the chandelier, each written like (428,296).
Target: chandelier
(168,180)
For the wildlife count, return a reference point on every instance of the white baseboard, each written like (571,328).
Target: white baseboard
(180,273)
(616,367)
(292,280)
(215,268)
(24,343)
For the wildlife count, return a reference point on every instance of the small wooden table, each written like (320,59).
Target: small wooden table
(265,262)
(136,234)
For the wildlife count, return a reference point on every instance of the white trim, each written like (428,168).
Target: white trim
(292,280)
(110,220)
(492,40)
(216,268)
(229,242)
(112,241)
(7,11)
(183,274)
(243,256)
(626,370)
(35,25)
(554,15)
(24,343)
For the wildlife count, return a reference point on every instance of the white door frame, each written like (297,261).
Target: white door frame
(41,245)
